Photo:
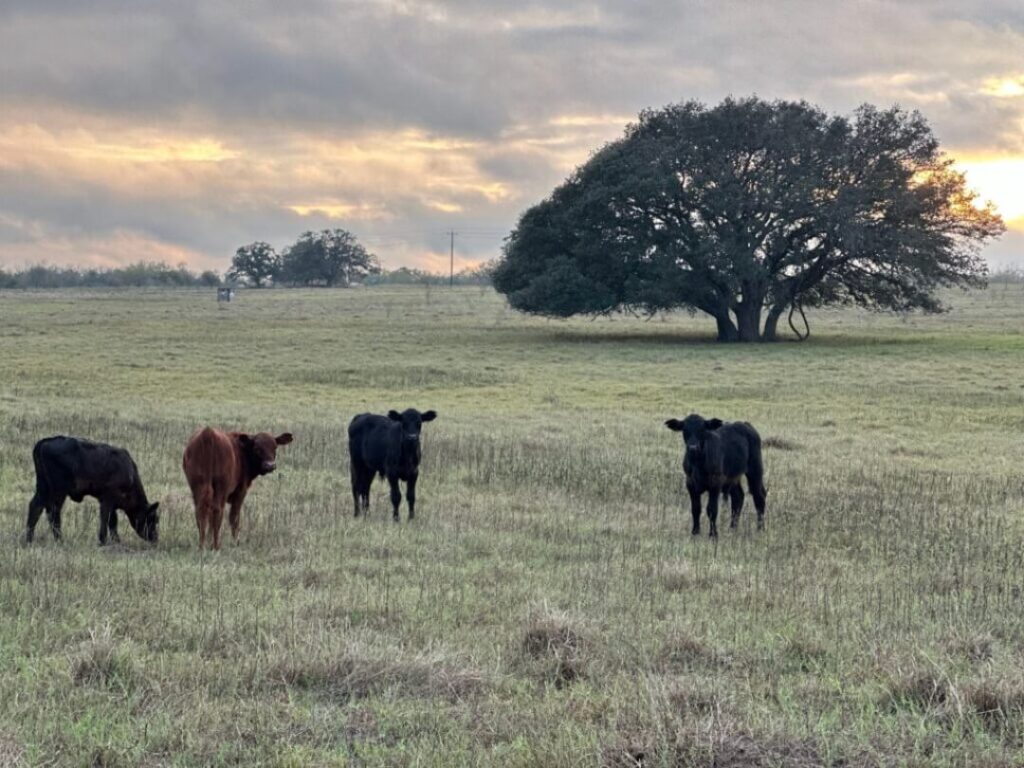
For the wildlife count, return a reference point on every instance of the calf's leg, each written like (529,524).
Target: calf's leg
(217,519)
(112,525)
(713,494)
(755,484)
(35,509)
(694,509)
(366,493)
(396,496)
(235,514)
(760,497)
(53,513)
(357,489)
(736,495)
(203,498)
(410,495)
(106,512)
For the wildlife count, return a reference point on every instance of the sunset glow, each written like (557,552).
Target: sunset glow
(1000,180)
(137,137)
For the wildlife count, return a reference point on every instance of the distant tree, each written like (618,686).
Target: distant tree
(209,279)
(331,257)
(749,209)
(257,262)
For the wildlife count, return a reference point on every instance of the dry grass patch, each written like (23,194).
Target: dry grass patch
(104,661)
(681,652)
(976,647)
(779,443)
(353,674)
(556,643)
(12,754)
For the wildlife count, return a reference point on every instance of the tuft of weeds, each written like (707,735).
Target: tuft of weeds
(555,641)
(106,662)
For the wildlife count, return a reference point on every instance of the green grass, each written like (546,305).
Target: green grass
(548,605)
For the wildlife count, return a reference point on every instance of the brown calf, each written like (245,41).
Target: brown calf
(220,467)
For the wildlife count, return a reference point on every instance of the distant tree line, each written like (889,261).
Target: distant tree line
(140,274)
(1007,274)
(478,275)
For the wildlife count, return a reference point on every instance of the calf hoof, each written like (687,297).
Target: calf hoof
(695,531)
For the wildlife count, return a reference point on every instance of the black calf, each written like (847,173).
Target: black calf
(388,446)
(75,468)
(715,456)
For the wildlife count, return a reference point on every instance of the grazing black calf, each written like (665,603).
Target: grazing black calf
(389,446)
(69,466)
(715,456)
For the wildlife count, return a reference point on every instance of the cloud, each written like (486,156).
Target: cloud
(203,125)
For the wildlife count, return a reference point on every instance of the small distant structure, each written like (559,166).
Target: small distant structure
(225,294)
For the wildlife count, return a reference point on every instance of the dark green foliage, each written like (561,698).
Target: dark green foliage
(748,209)
(257,262)
(331,257)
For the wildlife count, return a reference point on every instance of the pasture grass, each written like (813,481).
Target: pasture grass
(548,605)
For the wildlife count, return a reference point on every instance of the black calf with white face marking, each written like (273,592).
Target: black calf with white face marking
(715,456)
(388,446)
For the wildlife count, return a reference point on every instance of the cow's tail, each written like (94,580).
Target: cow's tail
(42,481)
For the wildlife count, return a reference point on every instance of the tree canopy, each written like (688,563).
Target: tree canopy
(750,209)
(331,257)
(257,262)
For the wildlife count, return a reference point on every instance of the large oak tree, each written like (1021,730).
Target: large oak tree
(749,210)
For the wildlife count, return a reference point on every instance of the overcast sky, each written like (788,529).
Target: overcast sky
(138,129)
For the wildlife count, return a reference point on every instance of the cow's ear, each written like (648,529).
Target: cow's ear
(153,508)
(428,415)
(675,425)
(245,441)
(284,438)
(712,424)
(394,415)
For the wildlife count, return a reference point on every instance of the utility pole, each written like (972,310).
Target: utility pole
(451,260)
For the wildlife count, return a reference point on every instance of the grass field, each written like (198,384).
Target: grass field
(548,605)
